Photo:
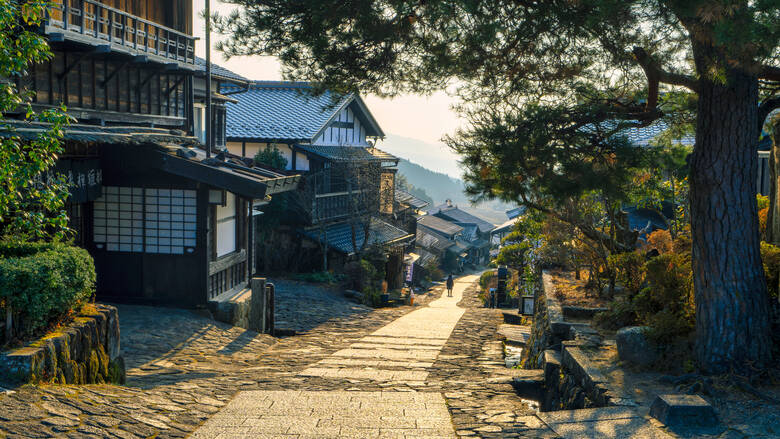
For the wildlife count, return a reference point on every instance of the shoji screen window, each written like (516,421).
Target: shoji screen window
(170,220)
(119,224)
(146,220)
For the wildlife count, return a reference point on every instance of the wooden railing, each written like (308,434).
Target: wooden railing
(94,19)
(337,205)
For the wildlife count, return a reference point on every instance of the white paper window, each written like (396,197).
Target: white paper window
(129,219)
(226,226)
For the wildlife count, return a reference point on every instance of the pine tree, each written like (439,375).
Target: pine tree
(548,85)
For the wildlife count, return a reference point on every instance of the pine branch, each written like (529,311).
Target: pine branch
(656,75)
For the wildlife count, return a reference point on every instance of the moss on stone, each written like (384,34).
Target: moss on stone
(102,360)
(93,367)
(116,371)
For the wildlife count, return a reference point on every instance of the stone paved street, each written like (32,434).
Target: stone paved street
(183,369)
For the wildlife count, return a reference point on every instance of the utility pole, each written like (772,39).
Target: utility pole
(209,122)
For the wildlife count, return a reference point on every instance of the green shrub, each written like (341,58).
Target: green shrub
(620,313)
(770,256)
(43,282)
(629,270)
(486,280)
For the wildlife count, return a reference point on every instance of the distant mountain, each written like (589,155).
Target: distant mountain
(434,156)
(441,187)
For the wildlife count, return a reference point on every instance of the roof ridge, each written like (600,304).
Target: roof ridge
(280,84)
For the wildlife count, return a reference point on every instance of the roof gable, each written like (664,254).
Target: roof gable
(439,225)
(289,111)
(454,214)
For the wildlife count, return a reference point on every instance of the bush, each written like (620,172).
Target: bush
(660,240)
(629,270)
(488,279)
(620,313)
(43,282)
(770,256)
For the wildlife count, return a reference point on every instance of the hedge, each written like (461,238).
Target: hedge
(44,281)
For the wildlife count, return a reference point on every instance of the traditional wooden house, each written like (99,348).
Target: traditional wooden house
(165,221)
(345,201)
(476,231)
(444,240)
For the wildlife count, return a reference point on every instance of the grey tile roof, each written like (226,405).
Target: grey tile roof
(426,257)
(456,215)
(219,71)
(432,241)
(339,235)
(404,197)
(290,112)
(347,153)
(439,225)
(643,135)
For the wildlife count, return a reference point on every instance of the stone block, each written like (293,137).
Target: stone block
(683,411)
(552,365)
(634,347)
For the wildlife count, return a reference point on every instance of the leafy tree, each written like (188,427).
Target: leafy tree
(539,78)
(31,206)
(271,156)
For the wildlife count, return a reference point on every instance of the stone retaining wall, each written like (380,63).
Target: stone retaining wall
(571,381)
(85,352)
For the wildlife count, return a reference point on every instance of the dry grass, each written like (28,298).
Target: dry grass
(572,291)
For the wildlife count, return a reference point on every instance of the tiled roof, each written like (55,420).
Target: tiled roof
(507,226)
(452,213)
(219,71)
(426,257)
(404,197)
(432,241)
(439,225)
(281,111)
(347,153)
(642,136)
(339,235)
(514,213)
(289,111)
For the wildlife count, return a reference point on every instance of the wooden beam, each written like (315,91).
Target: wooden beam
(114,73)
(174,87)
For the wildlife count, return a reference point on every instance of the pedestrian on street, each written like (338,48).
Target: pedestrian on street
(450,284)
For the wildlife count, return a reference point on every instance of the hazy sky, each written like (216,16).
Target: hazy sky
(425,118)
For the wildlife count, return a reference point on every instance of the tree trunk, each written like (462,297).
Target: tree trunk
(732,313)
(773,216)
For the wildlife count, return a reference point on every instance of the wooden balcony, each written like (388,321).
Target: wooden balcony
(337,205)
(93,23)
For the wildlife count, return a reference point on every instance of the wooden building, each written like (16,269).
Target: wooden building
(476,231)
(164,222)
(345,201)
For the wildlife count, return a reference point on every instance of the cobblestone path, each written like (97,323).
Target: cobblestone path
(184,369)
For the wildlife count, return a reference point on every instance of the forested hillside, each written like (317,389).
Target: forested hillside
(440,187)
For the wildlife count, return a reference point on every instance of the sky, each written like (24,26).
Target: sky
(422,118)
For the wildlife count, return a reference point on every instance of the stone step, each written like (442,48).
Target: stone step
(683,411)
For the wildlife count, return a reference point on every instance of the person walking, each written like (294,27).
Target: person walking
(450,284)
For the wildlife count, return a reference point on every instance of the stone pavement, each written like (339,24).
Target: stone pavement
(399,352)
(184,370)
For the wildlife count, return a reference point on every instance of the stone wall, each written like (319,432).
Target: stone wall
(84,352)
(548,329)
(571,381)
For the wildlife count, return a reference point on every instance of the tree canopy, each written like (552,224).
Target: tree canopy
(31,206)
(548,87)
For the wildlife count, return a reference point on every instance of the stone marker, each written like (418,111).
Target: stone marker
(634,347)
(683,411)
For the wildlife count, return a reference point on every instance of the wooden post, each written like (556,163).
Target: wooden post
(257,307)
(268,321)
(9,332)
